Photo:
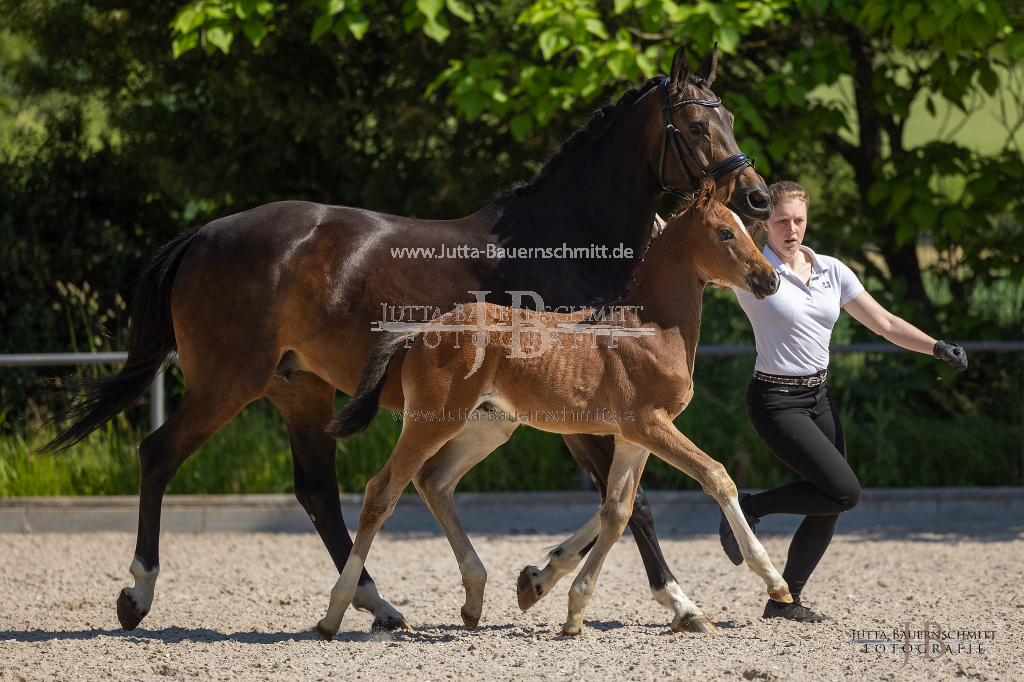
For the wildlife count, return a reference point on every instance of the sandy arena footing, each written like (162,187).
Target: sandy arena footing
(234,606)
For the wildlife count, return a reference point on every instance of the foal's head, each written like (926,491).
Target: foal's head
(723,251)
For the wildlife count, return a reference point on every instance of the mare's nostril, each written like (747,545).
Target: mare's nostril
(758,199)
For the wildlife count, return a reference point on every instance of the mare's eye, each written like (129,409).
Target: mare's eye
(696,129)
(726,235)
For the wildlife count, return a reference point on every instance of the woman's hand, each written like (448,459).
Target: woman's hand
(951,353)
(866,310)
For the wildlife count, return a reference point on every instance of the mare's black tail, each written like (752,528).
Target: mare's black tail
(150,344)
(358,413)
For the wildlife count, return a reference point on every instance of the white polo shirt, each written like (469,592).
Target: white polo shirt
(793,327)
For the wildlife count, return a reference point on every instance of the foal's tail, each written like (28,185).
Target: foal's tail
(358,413)
(150,344)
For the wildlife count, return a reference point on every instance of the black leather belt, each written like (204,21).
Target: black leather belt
(811,380)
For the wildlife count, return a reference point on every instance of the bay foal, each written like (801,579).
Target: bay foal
(630,385)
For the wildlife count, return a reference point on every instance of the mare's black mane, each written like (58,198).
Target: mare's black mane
(603,117)
(519,221)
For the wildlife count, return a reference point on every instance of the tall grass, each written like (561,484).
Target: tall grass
(252,454)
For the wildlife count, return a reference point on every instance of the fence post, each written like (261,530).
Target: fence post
(156,402)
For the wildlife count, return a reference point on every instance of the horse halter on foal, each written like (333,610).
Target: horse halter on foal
(736,162)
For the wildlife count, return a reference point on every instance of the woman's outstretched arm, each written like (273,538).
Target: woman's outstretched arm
(866,310)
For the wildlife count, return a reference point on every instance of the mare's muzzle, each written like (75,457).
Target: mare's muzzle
(752,201)
(759,203)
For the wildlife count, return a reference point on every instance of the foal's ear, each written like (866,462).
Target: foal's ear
(680,68)
(706,70)
(706,195)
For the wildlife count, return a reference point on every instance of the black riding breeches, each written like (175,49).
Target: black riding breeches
(801,426)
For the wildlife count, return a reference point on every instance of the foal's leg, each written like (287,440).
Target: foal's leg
(657,433)
(436,482)
(419,442)
(306,403)
(623,479)
(594,454)
(201,414)
(535,583)
(599,450)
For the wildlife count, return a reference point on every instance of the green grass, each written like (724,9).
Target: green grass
(252,455)
(891,441)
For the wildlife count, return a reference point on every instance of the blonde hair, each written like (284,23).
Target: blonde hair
(786,190)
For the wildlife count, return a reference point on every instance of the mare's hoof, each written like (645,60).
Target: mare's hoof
(571,631)
(782,595)
(127,613)
(526,590)
(390,625)
(322,634)
(698,622)
(469,619)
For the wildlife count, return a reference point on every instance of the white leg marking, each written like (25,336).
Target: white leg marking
(688,616)
(368,599)
(672,598)
(474,579)
(145,584)
(342,595)
(753,551)
(623,479)
(564,558)
(437,480)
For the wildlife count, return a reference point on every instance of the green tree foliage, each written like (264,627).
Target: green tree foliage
(781,55)
(125,121)
(128,145)
(828,92)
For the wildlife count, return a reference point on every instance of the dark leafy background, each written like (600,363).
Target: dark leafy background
(109,145)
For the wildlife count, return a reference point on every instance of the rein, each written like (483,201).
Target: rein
(736,162)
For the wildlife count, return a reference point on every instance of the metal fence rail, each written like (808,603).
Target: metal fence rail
(156,391)
(156,407)
(976,346)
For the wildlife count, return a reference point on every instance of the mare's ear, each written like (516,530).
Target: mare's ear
(680,68)
(706,195)
(706,70)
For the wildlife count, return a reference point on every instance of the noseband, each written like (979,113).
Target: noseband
(736,162)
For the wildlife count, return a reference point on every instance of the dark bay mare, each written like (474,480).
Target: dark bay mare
(280,300)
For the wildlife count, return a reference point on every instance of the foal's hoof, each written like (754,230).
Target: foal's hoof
(782,595)
(528,592)
(323,634)
(469,619)
(390,625)
(571,630)
(698,622)
(127,613)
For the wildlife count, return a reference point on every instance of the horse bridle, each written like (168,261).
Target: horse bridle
(736,162)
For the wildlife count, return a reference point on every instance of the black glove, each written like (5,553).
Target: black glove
(951,353)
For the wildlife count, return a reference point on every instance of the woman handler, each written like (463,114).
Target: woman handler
(788,401)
